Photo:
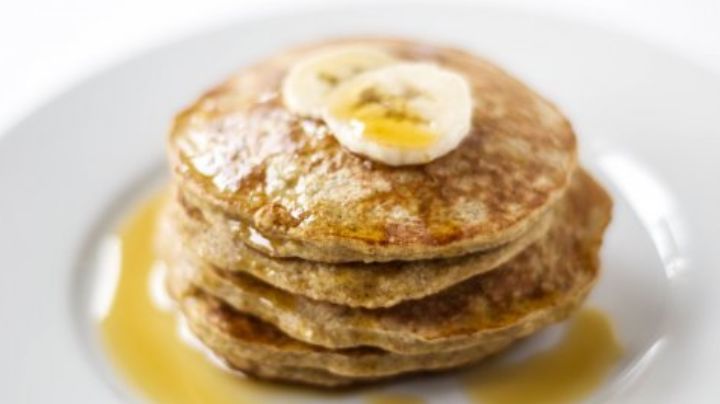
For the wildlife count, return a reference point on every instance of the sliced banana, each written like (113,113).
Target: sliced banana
(308,83)
(402,114)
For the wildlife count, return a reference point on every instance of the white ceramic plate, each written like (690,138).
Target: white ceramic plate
(649,127)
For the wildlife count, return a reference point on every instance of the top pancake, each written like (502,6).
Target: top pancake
(290,189)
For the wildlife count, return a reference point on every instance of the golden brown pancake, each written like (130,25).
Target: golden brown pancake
(372,285)
(291,190)
(235,336)
(562,263)
(292,258)
(306,376)
(269,371)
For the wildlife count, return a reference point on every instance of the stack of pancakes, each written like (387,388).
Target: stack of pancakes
(292,258)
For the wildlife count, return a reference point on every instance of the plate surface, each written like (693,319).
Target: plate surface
(649,127)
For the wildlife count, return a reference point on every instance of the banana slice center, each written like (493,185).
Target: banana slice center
(388,119)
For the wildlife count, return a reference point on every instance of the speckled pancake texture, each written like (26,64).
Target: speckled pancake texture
(372,285)
(562,261)
(292,259)
(292,190)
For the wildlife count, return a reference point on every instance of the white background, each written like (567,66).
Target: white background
(47,45)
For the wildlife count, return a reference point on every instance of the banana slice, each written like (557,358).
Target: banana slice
(308,83)
(406,113)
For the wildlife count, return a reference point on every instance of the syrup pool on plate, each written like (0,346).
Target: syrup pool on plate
(140,334)
(142,337)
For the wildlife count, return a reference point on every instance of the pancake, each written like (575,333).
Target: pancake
(306,376)
(235,336)
(243,367)
(370,285)
(292,191)
(564,262)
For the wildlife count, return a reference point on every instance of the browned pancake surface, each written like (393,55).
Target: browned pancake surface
(292,190)
(564,262)
(188,230)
